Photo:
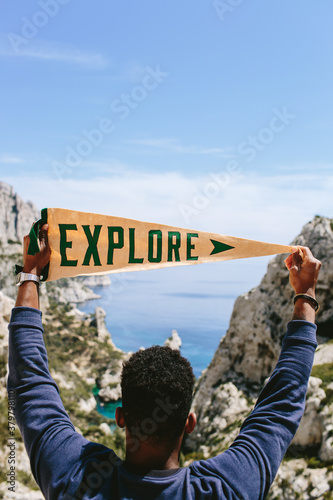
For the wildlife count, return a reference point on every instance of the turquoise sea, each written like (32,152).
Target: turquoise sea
(106,409)
(144,307)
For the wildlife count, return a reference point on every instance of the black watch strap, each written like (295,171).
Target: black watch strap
(312,300)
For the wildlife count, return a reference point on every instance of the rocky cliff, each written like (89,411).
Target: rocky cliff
(83,360)
(82,356)
(77,357)
(79,347)
(245,357)
(16,218)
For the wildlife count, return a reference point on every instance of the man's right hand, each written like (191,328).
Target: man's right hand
(27,294)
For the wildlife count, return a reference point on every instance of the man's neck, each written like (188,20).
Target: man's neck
(148,456)
(141,470)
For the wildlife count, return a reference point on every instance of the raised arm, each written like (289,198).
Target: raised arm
(251,463)
(54,448)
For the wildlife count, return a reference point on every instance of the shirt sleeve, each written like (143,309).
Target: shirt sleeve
(55,449)
(251,463)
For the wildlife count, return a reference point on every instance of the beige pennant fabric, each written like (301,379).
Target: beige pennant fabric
(84,243)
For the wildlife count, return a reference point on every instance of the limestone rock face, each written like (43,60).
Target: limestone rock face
(323,354)
(109,393)
(6,305)
(22,461)
(103,333)
(246,356)
(16,219)
(21,492)
(109,384)
(310,431)
(77,352)
(16,216)
(70,291)
(220,420)
(250,349)
(295,481)
(326,450)
(174,341)
(105,428)
(87,405)
(96,280)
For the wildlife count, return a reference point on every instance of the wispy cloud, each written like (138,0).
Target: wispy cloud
(110,167)
(308,168)
(54,51)
(9,159)
(267,208)
(174,145)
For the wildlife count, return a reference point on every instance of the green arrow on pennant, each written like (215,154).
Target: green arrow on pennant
(220,247)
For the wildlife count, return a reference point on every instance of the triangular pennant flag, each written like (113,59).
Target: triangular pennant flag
(84,243)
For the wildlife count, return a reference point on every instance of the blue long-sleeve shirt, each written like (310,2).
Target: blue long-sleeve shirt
(68,466)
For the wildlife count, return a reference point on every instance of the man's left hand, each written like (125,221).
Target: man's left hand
(34,264)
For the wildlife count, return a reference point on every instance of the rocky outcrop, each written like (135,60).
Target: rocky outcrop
(95,280)
(174,341)
(295,481)
(109,384)
(69,291)
(16,219)
(250,349)
(310,431)
(86,351)
(326,450)
(228,388)
(22,462)
(16,216)
(6,305)
(76,367)
(21,492)
(102,331)
(76,290)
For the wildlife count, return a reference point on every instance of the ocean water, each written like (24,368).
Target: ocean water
(144,307)
(106,409)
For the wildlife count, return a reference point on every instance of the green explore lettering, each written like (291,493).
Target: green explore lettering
(116,242)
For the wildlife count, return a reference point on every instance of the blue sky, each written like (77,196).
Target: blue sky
(143,109)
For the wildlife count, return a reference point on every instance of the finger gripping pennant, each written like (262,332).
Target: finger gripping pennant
(85,243)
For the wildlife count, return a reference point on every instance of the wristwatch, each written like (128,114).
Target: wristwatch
(22,277)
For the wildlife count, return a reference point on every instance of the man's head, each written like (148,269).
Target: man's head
(157,390)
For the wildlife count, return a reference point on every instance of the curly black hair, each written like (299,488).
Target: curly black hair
(157,389)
